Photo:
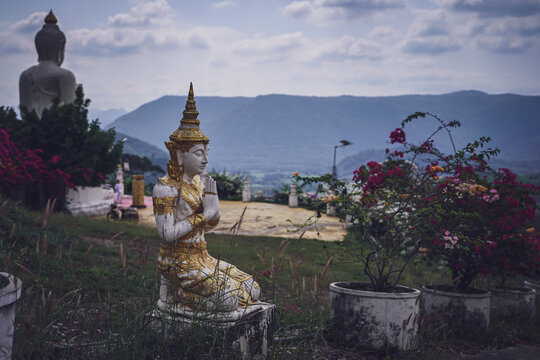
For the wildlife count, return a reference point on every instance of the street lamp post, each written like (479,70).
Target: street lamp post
(343,144)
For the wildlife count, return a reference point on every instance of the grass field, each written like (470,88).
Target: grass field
(88,285)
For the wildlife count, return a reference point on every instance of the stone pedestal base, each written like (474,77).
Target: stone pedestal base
(248,331)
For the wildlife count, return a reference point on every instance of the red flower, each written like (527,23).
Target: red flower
(397,136)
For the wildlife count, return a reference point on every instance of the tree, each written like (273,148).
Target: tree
(65,138)
(229,186)
(141,165)
(65,135)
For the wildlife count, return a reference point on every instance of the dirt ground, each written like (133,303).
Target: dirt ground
(264,219)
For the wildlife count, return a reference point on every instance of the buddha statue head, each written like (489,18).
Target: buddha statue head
(188,146)
(50,41)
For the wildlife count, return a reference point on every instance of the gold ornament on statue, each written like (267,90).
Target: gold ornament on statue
(187,135)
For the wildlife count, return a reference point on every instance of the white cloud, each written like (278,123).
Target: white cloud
(153,13)
(147,25)
(505,35)
(296,47)
(273,47)
(383,32)
(31,24)
(494,8)
(346,47)
(299,9)
(339,10)
(431,32)
(124,33)
(109,41)
(504,44)
(429,28)
(431,46)
(12,44)
(120,41)
(527,26)
(18,37)
(224,4)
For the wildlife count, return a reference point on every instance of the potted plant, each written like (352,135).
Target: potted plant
(484,236)
(517,252)
(389,204)
(515,255)
(473,211)
(418,200)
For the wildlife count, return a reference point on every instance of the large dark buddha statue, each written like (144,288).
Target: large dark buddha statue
(40,84)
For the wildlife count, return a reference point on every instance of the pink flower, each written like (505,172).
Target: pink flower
(55,159)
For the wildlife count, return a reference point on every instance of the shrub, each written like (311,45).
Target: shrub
(66,136)
(456,209)
(229,186)
(24,168)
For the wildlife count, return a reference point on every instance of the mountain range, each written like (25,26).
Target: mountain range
(285,133)
(105,116)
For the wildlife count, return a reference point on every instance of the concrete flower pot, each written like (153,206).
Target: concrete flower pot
(518,303)
(374,319)
(463,313)
(533,285)
(9,294)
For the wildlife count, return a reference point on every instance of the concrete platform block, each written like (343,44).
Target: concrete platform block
(248,331)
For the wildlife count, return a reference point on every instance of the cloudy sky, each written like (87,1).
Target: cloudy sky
(128,52)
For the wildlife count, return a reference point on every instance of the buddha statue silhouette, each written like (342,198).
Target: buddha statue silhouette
(40,84)
(185,207)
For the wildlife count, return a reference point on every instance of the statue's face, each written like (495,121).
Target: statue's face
(194,161)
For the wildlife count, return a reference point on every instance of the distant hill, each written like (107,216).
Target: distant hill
(105,116)
(297,133)
(346,166)
(142,148)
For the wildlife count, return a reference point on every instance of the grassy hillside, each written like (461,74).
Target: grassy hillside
(89,287)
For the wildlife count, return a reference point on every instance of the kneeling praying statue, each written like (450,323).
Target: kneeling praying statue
(186,205)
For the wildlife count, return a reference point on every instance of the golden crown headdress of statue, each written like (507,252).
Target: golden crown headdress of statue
(186,136)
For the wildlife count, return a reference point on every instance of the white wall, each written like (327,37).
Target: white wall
(89,201)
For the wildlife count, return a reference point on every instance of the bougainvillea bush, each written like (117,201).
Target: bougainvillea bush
(67,144)
(517,249)
(20,168)
(64,133)
(450,208)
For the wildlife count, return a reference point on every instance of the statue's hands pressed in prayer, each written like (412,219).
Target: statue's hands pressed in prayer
(210,200)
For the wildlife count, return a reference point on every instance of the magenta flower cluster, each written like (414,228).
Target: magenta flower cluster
(21,167)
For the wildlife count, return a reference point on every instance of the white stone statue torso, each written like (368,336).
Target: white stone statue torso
(40,84)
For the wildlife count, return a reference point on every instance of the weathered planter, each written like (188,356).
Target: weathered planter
(9,294)
(516,303)
(374,319)
(533,285)
(463,313)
